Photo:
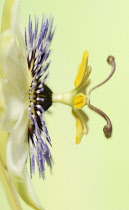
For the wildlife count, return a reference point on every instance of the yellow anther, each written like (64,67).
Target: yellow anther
(82,69)
(79,101)
(79,131)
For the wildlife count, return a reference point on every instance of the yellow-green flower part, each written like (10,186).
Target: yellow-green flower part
(77,98)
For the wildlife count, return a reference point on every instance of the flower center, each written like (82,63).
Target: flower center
(40,98)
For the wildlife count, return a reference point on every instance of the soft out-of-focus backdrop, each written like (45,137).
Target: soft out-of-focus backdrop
(95,174)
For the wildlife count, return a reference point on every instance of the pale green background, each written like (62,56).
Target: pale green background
(95,174)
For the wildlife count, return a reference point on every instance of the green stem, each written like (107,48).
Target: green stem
(64,98)
(11,195)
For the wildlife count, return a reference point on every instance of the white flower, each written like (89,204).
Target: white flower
(24,97)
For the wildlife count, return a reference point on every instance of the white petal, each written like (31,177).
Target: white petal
(10,14)
(13,62)
(11,20)
(17,146)
(3,144)
(5,40)
(13,104)
(26,191)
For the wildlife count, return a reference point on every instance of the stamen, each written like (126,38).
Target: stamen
(108,127)
(79,131)
(79,101)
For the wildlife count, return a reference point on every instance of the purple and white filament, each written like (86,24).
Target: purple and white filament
(37,41)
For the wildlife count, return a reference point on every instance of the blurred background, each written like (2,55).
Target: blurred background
(93,175)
